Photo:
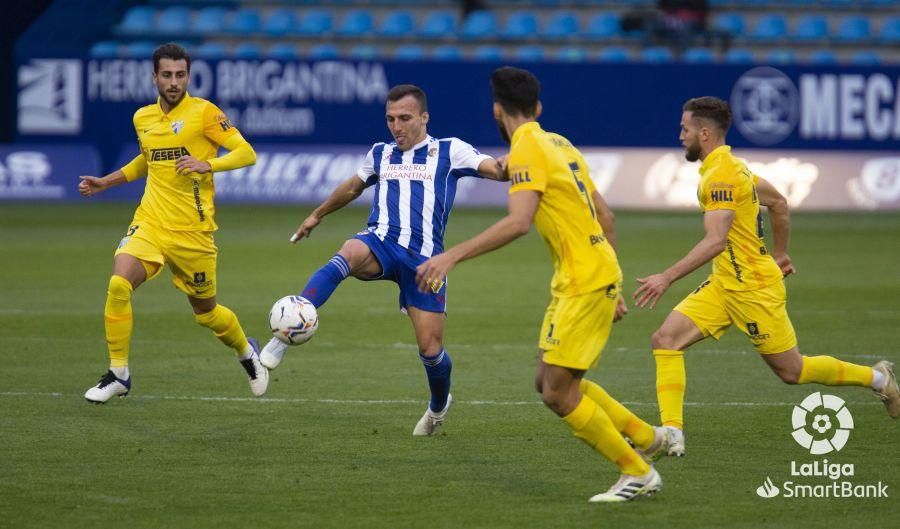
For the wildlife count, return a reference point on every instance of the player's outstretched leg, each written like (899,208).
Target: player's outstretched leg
(437,369)
(225,325)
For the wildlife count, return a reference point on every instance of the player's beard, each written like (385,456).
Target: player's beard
(171,99)
(692,153)
(503,133)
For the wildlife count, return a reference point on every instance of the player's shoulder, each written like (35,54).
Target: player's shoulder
(145,112)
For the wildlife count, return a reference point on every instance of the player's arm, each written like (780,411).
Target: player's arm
(522,207)
(240,154)
(605,217)
(348,191)
(717,223)
(91,185)
(780,219)
(493,170)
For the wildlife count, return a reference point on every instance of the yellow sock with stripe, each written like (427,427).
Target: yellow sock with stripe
(590,423)
(640,433)
(118,321)
(830,371)
(670,383)
(224,323)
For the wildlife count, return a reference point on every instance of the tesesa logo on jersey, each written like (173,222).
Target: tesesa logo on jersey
(822,423)
(169,153)
(765,105)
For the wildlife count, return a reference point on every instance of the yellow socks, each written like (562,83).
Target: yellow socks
(670,383)
(830,371)
(590,423)
(117,321)
(225,325)
(629,424)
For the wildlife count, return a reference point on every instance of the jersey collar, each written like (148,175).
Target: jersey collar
(172,113)
(523,128)
(428,139)
(712,157)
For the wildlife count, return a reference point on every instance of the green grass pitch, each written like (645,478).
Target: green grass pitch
(331,445)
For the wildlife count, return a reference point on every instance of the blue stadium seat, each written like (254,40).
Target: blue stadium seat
(447,53)
(280,22)
(398,24)
(520,25)
(364,52)
(613,54)
(890,30)
(324,52)
(438,24)
(173,21)
(770,27)
(781,56)
(529,54)
(356,23)
(488,53)
(315,23)
(562,25)
(811,28)
(284,52)
(409,52)
(209,20)
(854,29)
(604,26)
(656,54)
(211,50)
(732,23)
(572,54)
(698,56)
(822,57)
(479,25)
(244,21)
(138,20)
(247,50)
(104,50)
(138,50)
(866,58)
(739,56)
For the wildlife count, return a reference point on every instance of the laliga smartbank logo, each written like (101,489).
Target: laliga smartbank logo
(821,425)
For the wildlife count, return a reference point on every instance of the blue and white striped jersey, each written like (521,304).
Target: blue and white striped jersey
(414,190)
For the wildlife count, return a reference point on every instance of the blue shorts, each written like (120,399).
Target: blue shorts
(398,264)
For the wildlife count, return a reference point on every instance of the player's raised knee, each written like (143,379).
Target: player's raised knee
(662,339)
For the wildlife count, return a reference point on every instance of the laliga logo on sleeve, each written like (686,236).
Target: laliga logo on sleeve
(821,423)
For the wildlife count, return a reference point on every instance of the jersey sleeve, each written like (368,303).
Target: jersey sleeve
(465,158)
(366,172)
(723,189)
(136,168)
(527,168)
(216,125)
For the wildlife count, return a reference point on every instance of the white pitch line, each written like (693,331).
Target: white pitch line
(278,400)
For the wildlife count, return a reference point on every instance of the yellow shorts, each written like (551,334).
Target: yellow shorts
(575,329)
(760,314)
(191,255)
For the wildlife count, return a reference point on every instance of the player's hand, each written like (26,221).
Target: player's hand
(784,262)
(90,186)
(309,223)
(430,274)
(504,164)
(652,288)
(189,164)
(621,309)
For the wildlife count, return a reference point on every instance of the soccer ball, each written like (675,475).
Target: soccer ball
(293,320)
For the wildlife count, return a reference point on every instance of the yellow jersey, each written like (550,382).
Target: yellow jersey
(727,183)
(196,127)
(583,260)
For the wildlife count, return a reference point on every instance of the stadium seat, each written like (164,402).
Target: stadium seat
(613,54)
(247,50)
(398,24)
(520,25)
(698,56)
(356,23)
(138,20)
(284,51)
(854,29)
(572,54)
(739,56)
(731,23)
(822,57)
(770,27)
(656,54)
(315,23)
(562,25)
(447,53)
(324,52)
(811,28)
(781,56)
(365,52)
(479,25)
(890,31)
(604,26)
(280,22)
(244,21)
(866,58)
(488,53)
(173,21)
(438,24)
(104,50)
(409,52)
(138,50)
(211,50)
(209,20)
(529,54)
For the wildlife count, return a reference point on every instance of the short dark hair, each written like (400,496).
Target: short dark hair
(711,108)
(172,51)
(402,90)
(516,90)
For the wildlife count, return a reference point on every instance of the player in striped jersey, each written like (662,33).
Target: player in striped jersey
(415,180)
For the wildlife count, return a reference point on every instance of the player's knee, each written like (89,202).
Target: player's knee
(431,349)
(788,375)
(119,288)
(662,339)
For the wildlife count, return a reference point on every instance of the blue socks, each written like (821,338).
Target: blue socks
(326,279)
(438,370)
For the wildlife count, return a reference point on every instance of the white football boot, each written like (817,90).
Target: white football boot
(675,442)
(108,387)
(890,394)
(430,423)
(630,487)
(658,447)
(256,372)
(272,353)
